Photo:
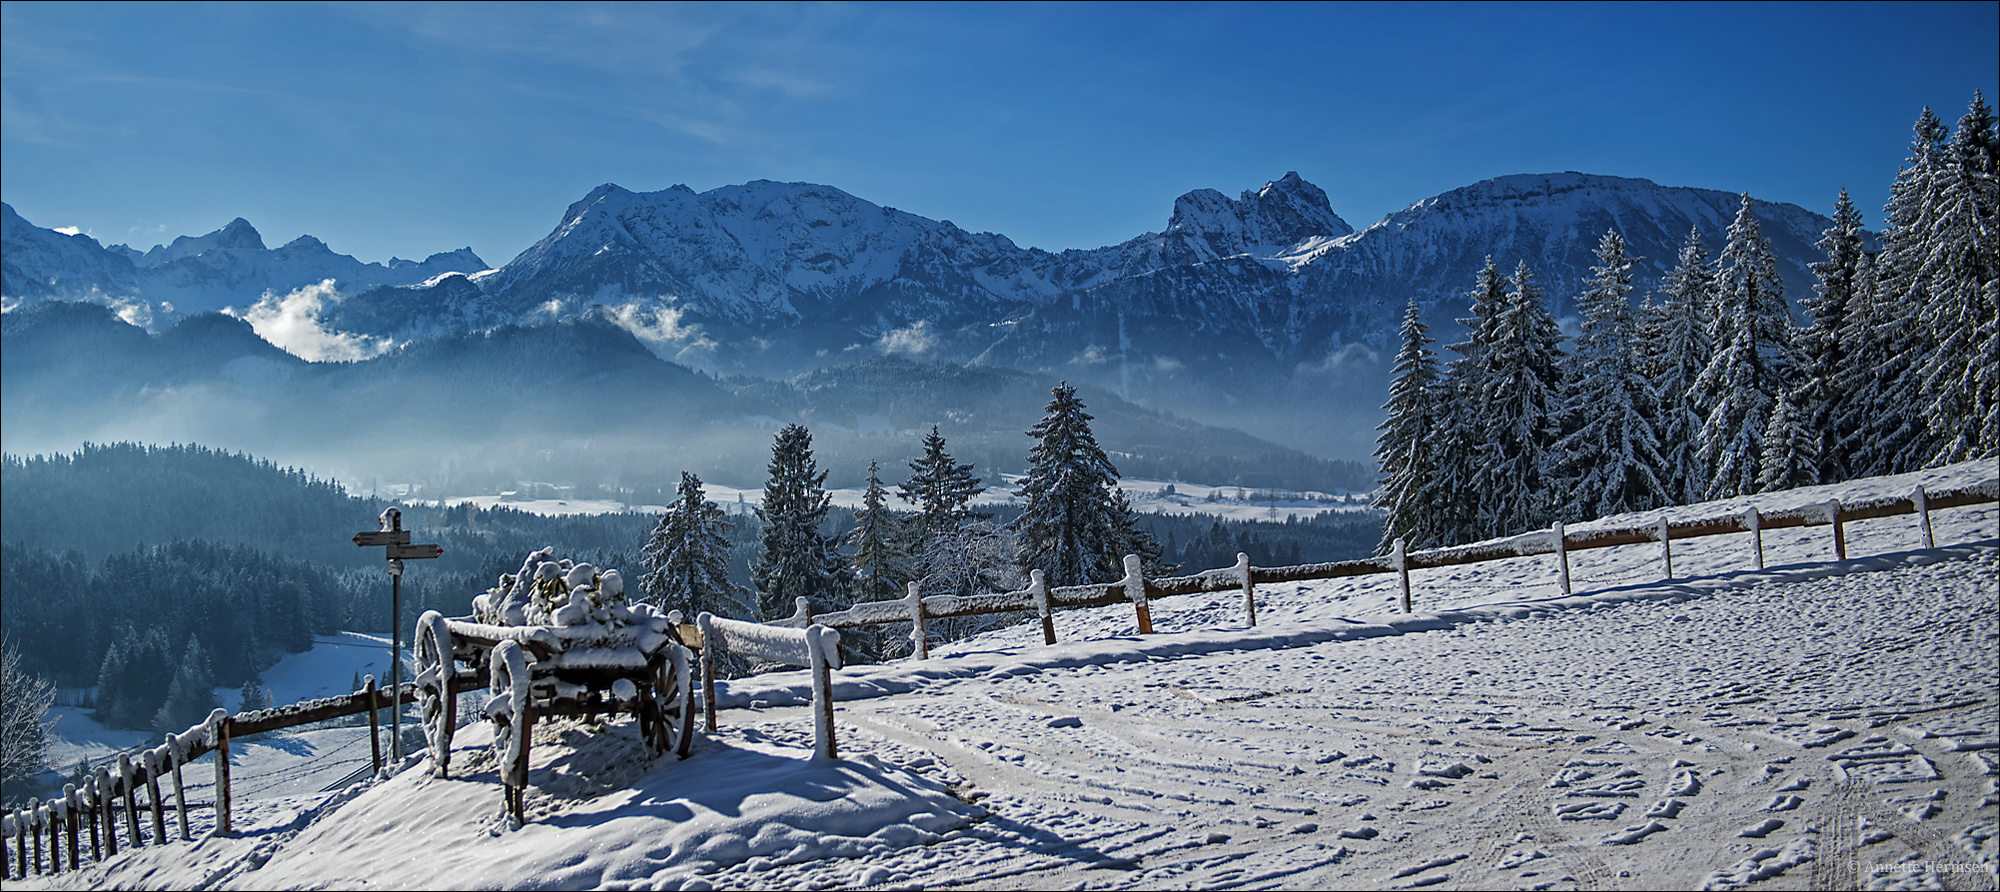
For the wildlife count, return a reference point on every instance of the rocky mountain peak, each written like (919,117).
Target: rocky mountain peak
(1284,213)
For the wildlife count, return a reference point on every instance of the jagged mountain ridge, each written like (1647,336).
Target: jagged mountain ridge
(227,268)
(1233,313)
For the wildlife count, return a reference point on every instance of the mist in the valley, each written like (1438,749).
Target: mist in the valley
(581,408)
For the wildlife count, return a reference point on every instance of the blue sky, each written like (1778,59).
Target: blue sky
(408,129)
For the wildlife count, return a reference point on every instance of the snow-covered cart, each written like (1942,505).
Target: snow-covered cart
(557,638)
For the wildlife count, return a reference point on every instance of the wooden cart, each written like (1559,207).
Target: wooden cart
(632,663)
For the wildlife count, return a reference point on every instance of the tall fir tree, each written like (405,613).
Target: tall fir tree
(1523,391)
(1455,503)
(1675,348)
(1790,458)
(686,558)
(797,560)
(882,562)
(1069,527)
(191,694)
(1895,436)
(1958,271)
(1405,446)
(1610,461)
(1756,360)
(1821,344)
(941,489)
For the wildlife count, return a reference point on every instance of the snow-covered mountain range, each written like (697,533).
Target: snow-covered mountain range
(1236,312)
(229,267)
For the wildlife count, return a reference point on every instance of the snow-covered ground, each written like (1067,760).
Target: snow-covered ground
(1815,724)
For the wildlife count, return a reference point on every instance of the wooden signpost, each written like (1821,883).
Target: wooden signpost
(396,540)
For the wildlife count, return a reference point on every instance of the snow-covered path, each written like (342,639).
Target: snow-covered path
(1817,724)
(1694,735)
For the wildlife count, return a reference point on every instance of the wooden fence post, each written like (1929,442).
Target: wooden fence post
(1135,588)
(1562,554)
(1666,550)
(35,809)
(709,642)
(69,810)
(1755,522)
(90,797)
(1839,529)
(1400,555)
(128,789)
(823,650)
(107,797)
(175,751)
(374,722)
(1039,585)
(152,758)
(1249,588)
(1923,504)
(920,638)
(222,777)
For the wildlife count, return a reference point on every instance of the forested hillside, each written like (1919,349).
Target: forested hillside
(126,566)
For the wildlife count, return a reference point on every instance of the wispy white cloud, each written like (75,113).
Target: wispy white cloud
(291,323)
(912,340)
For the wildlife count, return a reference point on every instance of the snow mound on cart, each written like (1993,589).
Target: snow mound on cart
(601,815)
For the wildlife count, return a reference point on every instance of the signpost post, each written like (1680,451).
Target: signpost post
(396,540)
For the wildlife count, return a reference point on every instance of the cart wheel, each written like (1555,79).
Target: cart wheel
(507,706)
(435,668)
(673,696)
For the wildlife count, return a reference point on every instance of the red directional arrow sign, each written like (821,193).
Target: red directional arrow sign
(385,537)
(405,552)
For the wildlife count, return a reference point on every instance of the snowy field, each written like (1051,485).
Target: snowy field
(1147,497)
(1812,725)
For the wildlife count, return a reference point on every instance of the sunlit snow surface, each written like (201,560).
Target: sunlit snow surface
(1816,724)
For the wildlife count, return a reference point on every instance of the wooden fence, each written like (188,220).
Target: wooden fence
(92,810)
(914,608)
(94,807)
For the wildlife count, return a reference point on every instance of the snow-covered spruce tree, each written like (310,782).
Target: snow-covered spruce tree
(941,489)
(1959,269)
(24,723)
(1069,526)
(191,695)
(1405,445)
(882,565)
(796,560)
(1610,461)
(1821,345)
(1454,502)
(1789,459)
(882,562)
(1523,392)
(1674,349)
(1755,360)
(686,559)
(1894,436)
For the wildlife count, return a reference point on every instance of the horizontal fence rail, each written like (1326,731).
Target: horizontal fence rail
(914,608)
(93,807)
(48,836)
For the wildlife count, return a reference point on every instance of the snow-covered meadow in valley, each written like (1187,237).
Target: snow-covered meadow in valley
(1817,723)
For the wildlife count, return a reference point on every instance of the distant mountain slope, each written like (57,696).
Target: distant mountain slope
(577,400)
(229,267)
(1266,312)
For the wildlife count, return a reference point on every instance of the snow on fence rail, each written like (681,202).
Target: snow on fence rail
(914,608)
(815,646)
(93,808)
(807,639)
